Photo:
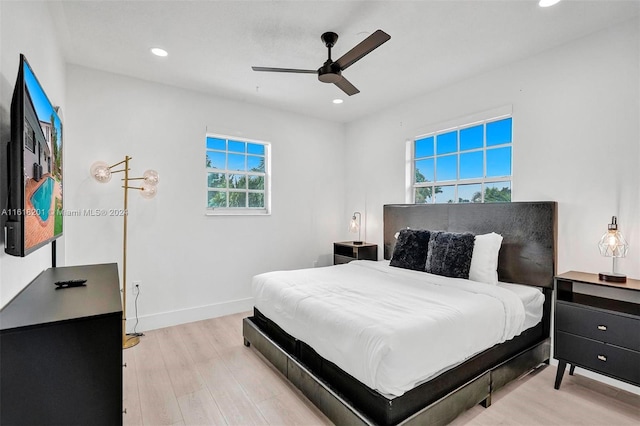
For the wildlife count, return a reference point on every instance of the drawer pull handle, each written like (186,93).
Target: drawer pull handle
(602,327)
(602,358)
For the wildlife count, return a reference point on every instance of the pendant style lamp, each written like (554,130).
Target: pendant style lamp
(148,188)
(612,244)
(354,226)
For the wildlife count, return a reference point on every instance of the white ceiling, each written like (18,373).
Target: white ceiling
(213,44)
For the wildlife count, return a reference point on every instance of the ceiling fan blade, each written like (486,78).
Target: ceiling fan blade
(363,48)
(346,86)
(284,70)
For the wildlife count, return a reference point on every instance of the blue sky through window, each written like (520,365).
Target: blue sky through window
(471,165)
(447,167)
(236,162)
(424,147)
(235,146)
(466,160)
(215,143)
(253,148)
(216,160)
(499,132)
(255,164)
(425,168)
(447,195)
(447,142)
(471,137)
(499,162)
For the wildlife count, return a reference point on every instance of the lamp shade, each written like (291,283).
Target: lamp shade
(151,177)
(612,243)
(101,171)
(148,191)
(354,226)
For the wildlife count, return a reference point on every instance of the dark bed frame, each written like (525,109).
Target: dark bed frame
(527,256)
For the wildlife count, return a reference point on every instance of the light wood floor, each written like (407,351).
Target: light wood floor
(201,374)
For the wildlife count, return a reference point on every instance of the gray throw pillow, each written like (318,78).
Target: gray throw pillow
(450,254)
(411,248)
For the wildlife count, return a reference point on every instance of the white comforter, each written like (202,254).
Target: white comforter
(388,327)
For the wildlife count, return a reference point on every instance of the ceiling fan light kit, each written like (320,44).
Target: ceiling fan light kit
(330,71)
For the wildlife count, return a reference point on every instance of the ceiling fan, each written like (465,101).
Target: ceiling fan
(331,72)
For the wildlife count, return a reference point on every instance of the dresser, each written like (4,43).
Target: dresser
(347,251)
(594,331)
(61,350)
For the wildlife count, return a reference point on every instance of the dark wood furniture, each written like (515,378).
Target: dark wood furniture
(347,251)
(528,256)
(61,350)
(596,332)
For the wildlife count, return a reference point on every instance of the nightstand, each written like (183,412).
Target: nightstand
(595,332)
(347,251)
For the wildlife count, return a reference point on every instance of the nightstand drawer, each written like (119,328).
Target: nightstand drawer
(618,362)
(609,328)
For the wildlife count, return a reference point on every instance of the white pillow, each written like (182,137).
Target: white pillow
(484,261)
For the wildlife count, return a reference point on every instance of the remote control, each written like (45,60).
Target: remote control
(70,283)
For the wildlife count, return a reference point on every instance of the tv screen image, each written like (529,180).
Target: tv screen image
(35,167)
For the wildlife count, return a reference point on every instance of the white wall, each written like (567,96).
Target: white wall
(194,266)
(576,130)
(26,27)
(576,141)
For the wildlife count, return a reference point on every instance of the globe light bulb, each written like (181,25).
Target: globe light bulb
(148,191)
(151,177)
(101,172)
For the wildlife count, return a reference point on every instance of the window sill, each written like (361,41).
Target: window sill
(237,212)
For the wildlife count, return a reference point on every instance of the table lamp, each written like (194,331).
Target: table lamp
(612,244)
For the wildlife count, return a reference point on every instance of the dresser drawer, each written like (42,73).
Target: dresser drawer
(617,362)
(609,328)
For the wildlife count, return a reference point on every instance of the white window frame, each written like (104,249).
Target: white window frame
(240,211)
(453,125)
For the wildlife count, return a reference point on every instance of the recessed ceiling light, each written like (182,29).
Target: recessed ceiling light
(159,52)
(547,3)
(338,101)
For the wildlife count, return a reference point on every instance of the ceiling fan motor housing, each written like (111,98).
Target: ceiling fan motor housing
(329,72)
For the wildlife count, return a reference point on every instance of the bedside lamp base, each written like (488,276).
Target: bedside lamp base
(358,243)
(612,277)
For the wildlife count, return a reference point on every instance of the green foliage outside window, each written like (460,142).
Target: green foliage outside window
(236,174)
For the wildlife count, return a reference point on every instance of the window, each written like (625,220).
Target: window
(238,176)
(463,164)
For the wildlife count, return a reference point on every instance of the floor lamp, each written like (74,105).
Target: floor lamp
(102,172)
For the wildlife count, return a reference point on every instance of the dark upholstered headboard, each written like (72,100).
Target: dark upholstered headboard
(528,252)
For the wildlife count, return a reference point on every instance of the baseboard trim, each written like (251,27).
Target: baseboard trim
(182,316)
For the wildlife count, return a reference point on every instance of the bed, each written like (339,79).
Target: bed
(527,257)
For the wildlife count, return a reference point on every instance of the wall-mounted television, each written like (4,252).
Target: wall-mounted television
(34,167)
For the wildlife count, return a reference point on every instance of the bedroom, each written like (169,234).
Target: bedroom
(580,93)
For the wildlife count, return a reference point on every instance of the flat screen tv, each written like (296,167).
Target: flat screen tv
(34,172)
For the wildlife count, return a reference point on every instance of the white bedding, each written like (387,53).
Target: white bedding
(388,327)
(532,299)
